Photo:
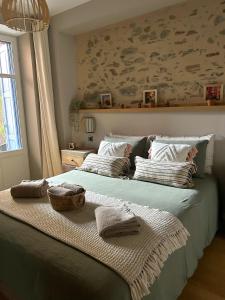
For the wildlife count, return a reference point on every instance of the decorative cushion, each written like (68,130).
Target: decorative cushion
(149,140)
(177,174)
(106,165)
(192,154)
(200,158)
(138,145)
(209,150)
(114,149)
(169,152)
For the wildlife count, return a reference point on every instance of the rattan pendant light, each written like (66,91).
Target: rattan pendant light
(26,15)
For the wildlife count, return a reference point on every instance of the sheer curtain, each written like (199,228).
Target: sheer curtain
(51,161)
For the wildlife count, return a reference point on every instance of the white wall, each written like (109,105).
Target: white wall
(173,123)
(62,51)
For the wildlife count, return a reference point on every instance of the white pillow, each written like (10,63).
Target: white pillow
(169,152)
(113,149)
(209,149)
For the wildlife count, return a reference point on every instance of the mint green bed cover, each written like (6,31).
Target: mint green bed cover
(37,267)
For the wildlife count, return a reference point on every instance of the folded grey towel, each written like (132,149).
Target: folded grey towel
(66,189)
(77,189)
(30,189)
(60,191)
(116,221)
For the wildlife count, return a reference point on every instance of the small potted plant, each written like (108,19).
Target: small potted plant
(76,105)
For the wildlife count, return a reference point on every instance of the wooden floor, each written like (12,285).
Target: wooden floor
(2,297)
(208,282)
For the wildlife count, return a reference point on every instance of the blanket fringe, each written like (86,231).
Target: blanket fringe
(141,286)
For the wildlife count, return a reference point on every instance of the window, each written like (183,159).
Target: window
(9,120)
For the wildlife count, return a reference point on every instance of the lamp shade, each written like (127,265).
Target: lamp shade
(90,125)
(26,15)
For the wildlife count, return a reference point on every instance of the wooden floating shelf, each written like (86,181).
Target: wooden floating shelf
(197,108)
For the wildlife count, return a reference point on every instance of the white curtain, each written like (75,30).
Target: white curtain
(51,161)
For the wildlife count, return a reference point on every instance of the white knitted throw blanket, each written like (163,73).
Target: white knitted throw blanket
(137,258)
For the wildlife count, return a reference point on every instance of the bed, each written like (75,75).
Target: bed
(35,266)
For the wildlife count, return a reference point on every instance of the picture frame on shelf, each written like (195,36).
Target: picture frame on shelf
(150,97)
(106,100)
(213,94)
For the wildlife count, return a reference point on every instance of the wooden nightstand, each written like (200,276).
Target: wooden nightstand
(74,158)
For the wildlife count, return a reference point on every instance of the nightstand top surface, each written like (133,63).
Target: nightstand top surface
(79,150)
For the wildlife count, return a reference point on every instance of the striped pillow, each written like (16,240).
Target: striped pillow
(177,174)
(106,165)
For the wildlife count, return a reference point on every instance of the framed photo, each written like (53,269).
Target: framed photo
(150,97)
(213,92)
(106,100)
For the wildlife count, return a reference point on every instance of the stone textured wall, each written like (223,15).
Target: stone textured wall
(176,50)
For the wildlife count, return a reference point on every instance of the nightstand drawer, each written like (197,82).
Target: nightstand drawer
(73,158)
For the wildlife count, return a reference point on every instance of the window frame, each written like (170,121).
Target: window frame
(19,97)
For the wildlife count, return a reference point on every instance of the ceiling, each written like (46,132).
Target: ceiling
(59,6)
(100,13)
(79,16)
